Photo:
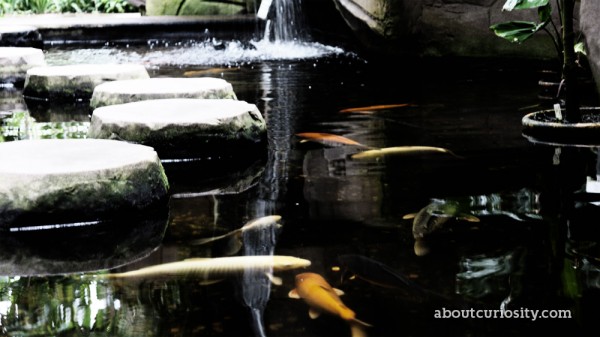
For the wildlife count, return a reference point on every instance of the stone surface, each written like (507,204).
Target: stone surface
(439,28)
(120,92)
(15,61)
(54,180)
(173,125)
(75,82)
(20,36)
(194,7)
(590,27)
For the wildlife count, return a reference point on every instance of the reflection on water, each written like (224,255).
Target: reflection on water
(533,245)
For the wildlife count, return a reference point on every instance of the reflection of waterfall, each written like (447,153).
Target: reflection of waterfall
(278,111)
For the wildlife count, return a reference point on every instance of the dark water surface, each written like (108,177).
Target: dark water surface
(534,246)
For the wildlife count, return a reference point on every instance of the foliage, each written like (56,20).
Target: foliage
(65,6)
(520,31)
(564,42)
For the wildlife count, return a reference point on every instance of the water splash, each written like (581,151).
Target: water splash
(285,38)
(210,52)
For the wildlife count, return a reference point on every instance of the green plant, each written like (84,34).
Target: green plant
(562,37)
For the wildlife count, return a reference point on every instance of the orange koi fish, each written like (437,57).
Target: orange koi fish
(321,297)
(328,139)
(369,109)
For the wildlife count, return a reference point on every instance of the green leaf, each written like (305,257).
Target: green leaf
(580,48)
(545,13)
(516,31)
(509,5)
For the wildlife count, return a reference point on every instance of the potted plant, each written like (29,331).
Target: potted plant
(567,121)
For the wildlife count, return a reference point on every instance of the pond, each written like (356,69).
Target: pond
(516,227)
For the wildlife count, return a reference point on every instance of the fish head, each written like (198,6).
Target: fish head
(282,262)
(304,280)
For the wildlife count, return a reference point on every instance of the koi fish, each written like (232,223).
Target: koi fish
(381,275)
(401,150)
(235,236)
(328,139)
(212,270)
(431,218)
(321,297)
(368,109)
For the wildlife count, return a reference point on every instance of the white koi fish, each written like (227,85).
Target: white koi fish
(236,236)
(213,270)
(401,150)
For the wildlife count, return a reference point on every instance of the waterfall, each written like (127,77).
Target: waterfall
(285,21)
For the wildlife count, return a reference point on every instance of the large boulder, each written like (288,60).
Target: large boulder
(65,180)
(439,28)
(590,27)
(194,7)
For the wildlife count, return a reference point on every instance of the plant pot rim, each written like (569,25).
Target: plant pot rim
(556,133)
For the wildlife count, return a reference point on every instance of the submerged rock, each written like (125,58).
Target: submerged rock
(119,92)
(15,61)
(75,82)
(63,180)
(181,125)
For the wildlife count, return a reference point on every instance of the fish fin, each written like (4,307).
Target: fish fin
(274,279)
(338,291)
(359,322)
(209,282)
(233,245)
(293,294)
(409,216)
(469,218)
(358,328)
(204,241)
(312,313)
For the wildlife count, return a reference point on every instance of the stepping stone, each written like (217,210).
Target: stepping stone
(120,92)
(20,36)
(181,125)
(58,180)
(15,61)
(76,82)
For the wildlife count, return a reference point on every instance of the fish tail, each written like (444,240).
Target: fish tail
(358,328)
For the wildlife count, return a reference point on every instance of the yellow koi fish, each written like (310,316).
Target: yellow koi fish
(321,297)
(401,150)
(212,270)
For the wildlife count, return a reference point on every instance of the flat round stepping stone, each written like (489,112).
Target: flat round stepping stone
(20,36)
(15,61)
(58,180)
(120,92)
(181,125)
(76,82)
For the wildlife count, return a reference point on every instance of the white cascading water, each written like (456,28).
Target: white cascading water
(285,38)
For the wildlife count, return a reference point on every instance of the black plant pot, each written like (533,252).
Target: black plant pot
(542,126)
